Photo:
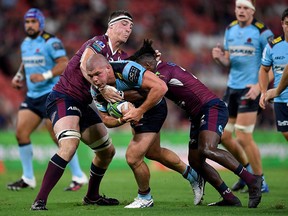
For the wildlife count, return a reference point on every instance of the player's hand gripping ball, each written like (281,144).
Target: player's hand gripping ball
(119,108)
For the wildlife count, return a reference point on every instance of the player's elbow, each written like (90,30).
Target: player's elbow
(163,88)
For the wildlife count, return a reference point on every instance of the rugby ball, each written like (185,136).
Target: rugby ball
(115,109)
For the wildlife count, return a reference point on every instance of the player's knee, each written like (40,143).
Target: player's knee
(207,151)
(132,161)
(68,134)
(106,155)
(22,137)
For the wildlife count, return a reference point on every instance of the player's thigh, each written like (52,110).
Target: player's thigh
(94,133)
(246,119)
(155,148)
(70,122)
(140,144)
(27,122)
(49,127)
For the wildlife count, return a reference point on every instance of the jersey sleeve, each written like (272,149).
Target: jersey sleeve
(266,37)
(56,48)
(266,56)
(101,105)
(133,74)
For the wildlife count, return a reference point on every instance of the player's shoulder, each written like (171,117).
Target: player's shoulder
(232,24)
(47,36)
(276,41)
(259,25)
(99,42)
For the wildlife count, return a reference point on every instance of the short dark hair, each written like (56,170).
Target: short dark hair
(119,13)
(145,50)
(285,14)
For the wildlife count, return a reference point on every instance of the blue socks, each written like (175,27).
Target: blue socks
(26,157)
(190,174)
(75,166)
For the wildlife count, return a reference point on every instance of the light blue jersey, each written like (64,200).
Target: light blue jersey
(129,75)
(275,55)
(38,56)
(245,46)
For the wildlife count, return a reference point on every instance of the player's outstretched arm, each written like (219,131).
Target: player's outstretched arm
(18,80)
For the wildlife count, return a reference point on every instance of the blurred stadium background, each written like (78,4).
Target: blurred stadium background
(184,31)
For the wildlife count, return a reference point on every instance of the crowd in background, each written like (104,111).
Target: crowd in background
(184,31)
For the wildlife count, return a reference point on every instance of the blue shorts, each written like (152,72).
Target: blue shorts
(281,116)
(60,105)
(213,117)
(238,103)
(36,105)
(152,120)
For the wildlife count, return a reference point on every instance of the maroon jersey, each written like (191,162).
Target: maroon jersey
(184,88)
(72,81)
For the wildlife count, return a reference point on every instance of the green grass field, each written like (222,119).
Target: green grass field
(172,194)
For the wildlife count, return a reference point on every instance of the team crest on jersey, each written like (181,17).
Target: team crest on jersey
(98,45)
(57,46)
(133,74)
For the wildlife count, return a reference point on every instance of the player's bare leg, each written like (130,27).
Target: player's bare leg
(27,122)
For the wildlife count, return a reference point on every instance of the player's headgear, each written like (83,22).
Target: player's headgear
(119,15)
(247,3)
(36,14)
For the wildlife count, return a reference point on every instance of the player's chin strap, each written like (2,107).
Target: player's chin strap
(68,134)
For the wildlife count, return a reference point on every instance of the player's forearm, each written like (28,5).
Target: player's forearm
(263,79)
(283,82)
(153,97)
(20,74)
(61,64)
(111,122)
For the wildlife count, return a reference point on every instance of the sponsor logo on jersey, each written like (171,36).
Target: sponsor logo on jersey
(133,75)
(282,123)
(57,46)
(34,61)
(242,51)
(220,129)
(176,82)
(74,108)
(202,121)
(276,40)
(259,25)
(119,75)
(278,68)
(23,104)
(279,57)
(98,45)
